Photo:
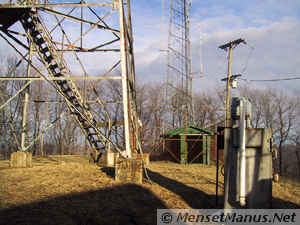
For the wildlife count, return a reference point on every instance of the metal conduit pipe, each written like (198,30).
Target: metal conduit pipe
(242,158)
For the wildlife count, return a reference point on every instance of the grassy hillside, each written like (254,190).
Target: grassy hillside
(68,190)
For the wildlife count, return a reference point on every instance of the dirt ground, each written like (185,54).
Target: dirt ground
(69,190)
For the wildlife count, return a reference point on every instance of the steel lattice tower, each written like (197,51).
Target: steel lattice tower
(178,101)
(79,46)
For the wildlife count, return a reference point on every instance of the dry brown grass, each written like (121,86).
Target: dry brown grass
(286,194)
(68,190)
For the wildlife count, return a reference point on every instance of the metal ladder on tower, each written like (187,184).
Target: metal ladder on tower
(56,67)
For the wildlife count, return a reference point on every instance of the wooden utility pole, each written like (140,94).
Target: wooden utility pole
(229,46)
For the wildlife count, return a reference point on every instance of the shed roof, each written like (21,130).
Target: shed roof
(191,129)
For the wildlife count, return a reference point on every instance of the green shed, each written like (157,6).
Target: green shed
(188,144)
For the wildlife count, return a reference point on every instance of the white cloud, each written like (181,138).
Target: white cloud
(275,53)
(272,27)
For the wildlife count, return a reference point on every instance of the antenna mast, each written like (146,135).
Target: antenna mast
(178,87)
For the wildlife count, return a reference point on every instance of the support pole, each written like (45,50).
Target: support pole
(227,102)
(124,79)
(25,107)
(242,159)
(229,46)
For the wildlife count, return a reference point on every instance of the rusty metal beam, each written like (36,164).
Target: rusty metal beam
(106,124)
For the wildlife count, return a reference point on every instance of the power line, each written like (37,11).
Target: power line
(270,60)
(282,79)
(215,73)
(267,80)
(247,62)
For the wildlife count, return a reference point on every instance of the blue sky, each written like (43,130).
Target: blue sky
(271,27)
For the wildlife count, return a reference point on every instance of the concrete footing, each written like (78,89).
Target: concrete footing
(111,158)
(276,177)
(20,159)
(129,170)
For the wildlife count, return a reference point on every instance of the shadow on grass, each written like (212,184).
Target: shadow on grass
(196,198)
(44,159)
(278,203)
(110,171)
(121,204)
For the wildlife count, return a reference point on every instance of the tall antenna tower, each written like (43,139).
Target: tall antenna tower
(178,101)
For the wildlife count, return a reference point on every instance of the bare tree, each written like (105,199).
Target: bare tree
(296,141)
(151,115)
(276,110)
(10,115)
(66,134)
(286,115)
(37,92)
(208,108)
(257,98)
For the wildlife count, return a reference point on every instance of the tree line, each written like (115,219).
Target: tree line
(271,108)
